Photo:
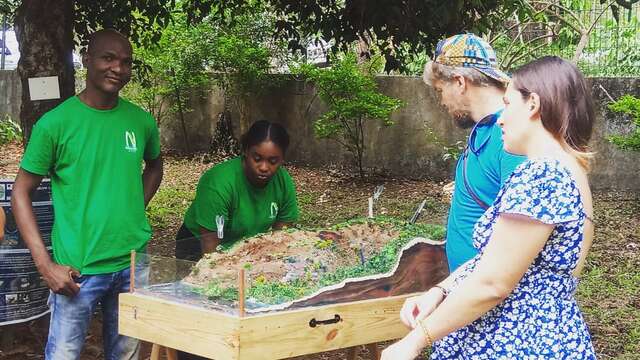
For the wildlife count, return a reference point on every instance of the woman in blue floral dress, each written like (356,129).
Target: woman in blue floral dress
(515,299)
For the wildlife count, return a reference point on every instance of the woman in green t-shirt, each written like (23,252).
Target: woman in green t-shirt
(241,197)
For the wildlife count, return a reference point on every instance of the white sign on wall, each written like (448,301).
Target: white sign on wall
(44,88)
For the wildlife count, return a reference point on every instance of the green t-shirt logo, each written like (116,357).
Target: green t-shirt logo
(130,141)
(274,210)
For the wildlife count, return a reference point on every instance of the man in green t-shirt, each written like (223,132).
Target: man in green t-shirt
(92,146)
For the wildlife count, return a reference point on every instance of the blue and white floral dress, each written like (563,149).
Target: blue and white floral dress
(540,319)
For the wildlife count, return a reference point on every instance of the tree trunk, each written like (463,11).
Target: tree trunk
(584,40)
(360,146)
(44,29)
(223,142)
(176,92)
(364,49)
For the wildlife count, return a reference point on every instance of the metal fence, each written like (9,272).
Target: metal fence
(613,47)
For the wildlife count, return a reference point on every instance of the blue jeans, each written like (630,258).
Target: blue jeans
(71,316)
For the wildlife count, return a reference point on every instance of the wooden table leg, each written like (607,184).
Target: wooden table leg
(172,354)
(374,351)
(155,352)
(352,353)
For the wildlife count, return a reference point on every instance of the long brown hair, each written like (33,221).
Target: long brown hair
(566,106)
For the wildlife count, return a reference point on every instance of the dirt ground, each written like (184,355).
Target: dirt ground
(607,294)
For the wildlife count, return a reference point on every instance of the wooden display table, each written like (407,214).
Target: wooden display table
(359,312)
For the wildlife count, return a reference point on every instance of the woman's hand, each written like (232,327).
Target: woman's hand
(209,240)
(408,348)
(419,307)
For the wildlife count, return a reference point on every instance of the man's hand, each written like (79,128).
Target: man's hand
(59,279)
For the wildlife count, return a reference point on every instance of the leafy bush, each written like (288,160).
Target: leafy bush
(238,50)
(629,105)
(351,93)
(10,131)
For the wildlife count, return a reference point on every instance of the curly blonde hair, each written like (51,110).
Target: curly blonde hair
(435,71)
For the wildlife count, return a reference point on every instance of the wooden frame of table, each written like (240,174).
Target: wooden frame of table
(276,335)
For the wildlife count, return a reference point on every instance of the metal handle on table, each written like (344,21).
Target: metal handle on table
(336,319)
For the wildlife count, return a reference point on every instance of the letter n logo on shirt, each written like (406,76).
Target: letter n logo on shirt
(274,211)
(130,141)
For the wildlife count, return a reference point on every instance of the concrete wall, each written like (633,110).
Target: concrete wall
(10,94)
(401,149)
(612,168)
(404,149)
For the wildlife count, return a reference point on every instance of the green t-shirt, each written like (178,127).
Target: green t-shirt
(94,158)
(224,190)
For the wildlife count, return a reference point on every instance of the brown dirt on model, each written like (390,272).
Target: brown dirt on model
(286,256)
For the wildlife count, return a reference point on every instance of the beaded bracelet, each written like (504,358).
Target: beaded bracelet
(426,333)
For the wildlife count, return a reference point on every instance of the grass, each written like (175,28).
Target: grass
(168,205)
(609,286)
(610,303)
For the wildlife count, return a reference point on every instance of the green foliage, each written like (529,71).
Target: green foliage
(178,67)
(242,54)
(629,105)
(613,49)
(213,290)
(396,29)
(8,8)
(142,21)
(606,296)
(169,70)
(243,51)
(592,33)
(323,244)
(352,95)
(307,198)
(278,292)
(10,131)
(167,204)
(453,151)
